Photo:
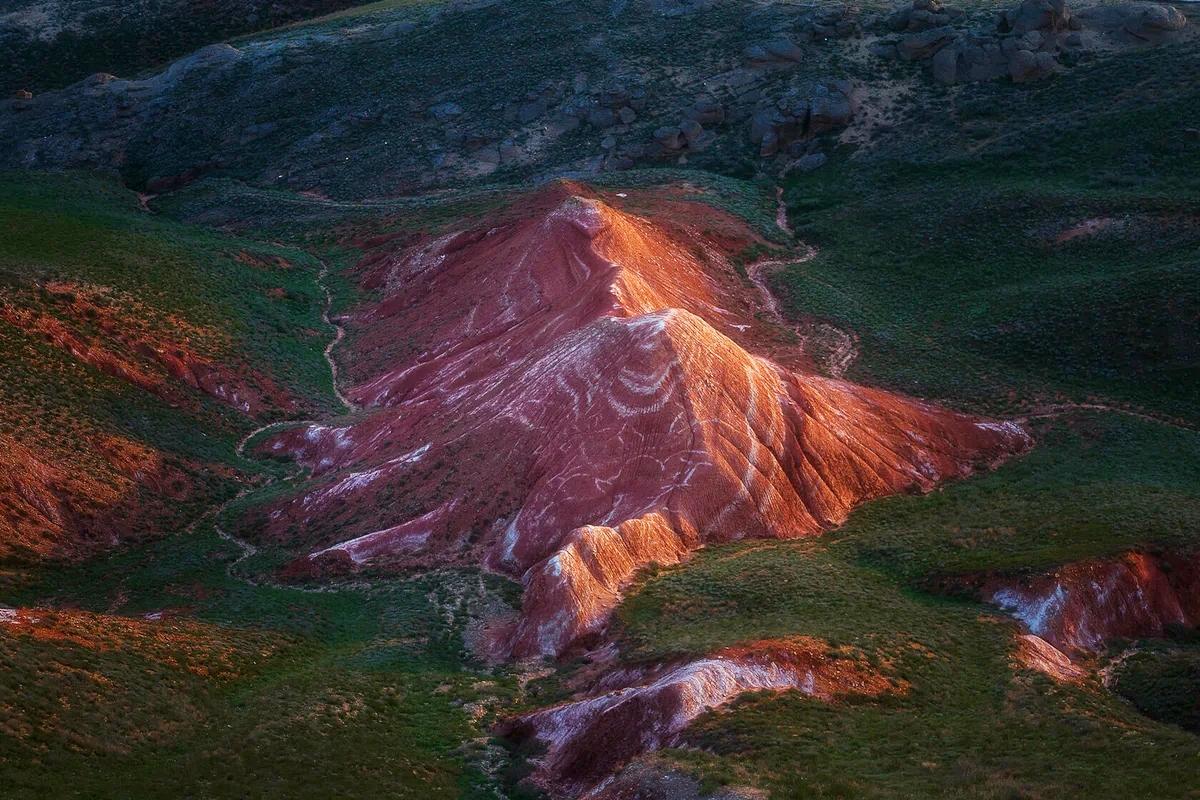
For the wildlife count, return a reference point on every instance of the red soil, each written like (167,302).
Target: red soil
(195,647)
(1081,606)
(56,505)
(588,739)
(114,335)
(572,393)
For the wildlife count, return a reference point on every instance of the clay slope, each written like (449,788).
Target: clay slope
(571,394)
(1081,606)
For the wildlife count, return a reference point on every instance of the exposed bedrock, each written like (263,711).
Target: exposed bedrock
(570,393)
(1080,607)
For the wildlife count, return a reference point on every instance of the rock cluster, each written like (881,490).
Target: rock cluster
(797,116)
(1025,43)
(689,133)
(615,104)
(534,104)
(838,22)
(921,16)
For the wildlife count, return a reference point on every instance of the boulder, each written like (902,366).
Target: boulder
(829,107)
(1036,15)
(1134,22)
(444,112)
(811,161)
(945,65)
(838,22)
(784,49)
(669,137)
(756,53)
(707,111)
(920,46)
(1025,66)
(693,132)
(602,118)
(884,49)
(921,15)
(779,50)
(763,122)
(530,110)
(796,116)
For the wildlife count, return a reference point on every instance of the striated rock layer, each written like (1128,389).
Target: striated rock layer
(572,393)
(588,739)
(1081,606)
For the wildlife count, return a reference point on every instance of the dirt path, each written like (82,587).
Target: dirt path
(1065,409)
(781,220)
(837,344)
(247,549)
(339,333)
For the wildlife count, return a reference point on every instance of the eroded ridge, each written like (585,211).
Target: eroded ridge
(1080,607)
(588,739)
(574,392)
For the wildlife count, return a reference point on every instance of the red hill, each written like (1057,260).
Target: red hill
(573,393)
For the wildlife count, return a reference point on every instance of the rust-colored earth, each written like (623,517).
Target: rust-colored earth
(1079,607)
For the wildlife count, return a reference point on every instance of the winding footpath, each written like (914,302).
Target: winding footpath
(1066,409)
(339,333)
(247,550)
(842,351)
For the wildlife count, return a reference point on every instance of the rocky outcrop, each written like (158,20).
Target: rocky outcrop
(1044,16)
(921,15)
(107,113)
(1080,607)
(1027,41)
(781,50)
(588,739)
(575,400)
(1034,652)
(800,115)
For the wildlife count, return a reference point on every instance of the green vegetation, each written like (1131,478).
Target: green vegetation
(950,256)
(232,300)
(63,41)
(357,690)
(1164,683)
(943,253)
(1061,503)
(999,248)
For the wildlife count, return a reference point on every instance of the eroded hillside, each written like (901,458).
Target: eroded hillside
(647,399)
